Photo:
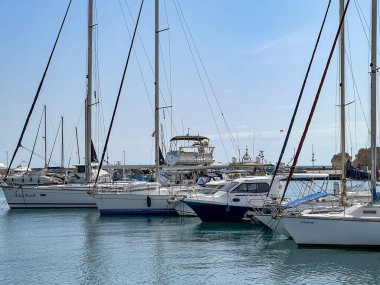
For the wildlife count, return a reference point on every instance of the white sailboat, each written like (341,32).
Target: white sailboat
(357,225)
(143,198)
(69,195)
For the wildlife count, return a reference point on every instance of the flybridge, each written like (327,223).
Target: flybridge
(189,138)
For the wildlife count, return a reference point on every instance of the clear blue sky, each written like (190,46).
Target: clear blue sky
(255,53)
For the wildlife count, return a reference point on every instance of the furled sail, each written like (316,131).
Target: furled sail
(94,157)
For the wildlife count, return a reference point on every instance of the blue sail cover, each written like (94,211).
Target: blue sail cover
(302,200)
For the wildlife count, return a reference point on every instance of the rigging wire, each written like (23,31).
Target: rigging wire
(167,82)
(55,140)
(336,127)
(348,54)
(37,93)
(73,142)
(234,145)
(35,140)
(119,93)
(298,103)
(101,128)
(170,70)
(356,93)
(362,19)
(376,74)
(356,90)
(314,103)
(137,60)
(150,65)
(136,56)
(201,80)
(39,155)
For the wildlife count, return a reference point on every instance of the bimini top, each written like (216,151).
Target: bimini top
(189,138)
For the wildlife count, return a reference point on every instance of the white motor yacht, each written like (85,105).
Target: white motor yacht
(231,203)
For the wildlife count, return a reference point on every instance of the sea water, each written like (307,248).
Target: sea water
(78,246)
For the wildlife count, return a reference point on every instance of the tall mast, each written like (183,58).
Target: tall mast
(62,146)
(373,66)
(156,93)
(342,108)
(45,140)
(89,93)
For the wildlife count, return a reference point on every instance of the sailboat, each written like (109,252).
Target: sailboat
(357,225)
(314,203)
(76,192)
(142,197)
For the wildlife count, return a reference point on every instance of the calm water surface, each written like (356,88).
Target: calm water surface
(81,247)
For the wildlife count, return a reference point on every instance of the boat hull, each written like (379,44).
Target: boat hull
(308,231)
(181,208)
(214,212)
(132,203)
(275,224)
(48,197)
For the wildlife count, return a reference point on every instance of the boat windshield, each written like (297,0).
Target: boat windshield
(229,186)
(220,186)
(252,188)
(211,186)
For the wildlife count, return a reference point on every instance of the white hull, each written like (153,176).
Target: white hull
(181,208)
(55,196)
(274,224)
(134,202)
(357,226)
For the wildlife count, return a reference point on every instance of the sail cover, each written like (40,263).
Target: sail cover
(94,157)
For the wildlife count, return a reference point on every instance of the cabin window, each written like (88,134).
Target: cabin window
(211,186)
(31,179)
(241,188)
(371,212)
(229,186)
(252,188)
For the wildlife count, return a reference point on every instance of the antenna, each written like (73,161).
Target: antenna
(313,159)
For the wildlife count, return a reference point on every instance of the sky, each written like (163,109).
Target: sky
(253,52)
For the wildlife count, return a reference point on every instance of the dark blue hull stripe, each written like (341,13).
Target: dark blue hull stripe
(138,212)
(218,213)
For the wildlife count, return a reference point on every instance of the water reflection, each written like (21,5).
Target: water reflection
(81,247)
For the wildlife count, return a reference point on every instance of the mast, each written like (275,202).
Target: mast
(156,93)
(45,140)
(342,109)
(373,66)
(62,146)
(89,93)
